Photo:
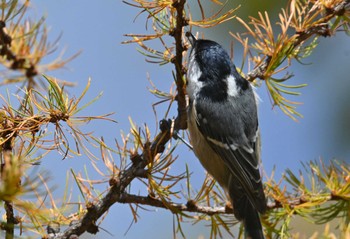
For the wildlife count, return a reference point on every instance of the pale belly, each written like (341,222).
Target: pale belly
(206,155)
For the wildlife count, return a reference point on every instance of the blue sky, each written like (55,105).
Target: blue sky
(120,72)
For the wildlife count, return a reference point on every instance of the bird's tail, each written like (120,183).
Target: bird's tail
(252,224)
(246,212)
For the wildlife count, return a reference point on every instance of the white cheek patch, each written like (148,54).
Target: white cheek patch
(232,87)
(193,75)
(194,72)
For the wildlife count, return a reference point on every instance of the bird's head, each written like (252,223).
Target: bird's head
(210,58)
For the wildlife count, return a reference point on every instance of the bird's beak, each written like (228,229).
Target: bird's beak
(191,38)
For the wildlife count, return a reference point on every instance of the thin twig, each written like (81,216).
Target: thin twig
(181,120)
(193,207)
(259,71)
(7,156)
(189,207)
(321,30)
(18,63)
(118,185)
(10,220)
(117,192)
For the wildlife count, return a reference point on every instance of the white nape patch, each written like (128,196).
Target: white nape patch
(193,75)
(218,143)
(231,86)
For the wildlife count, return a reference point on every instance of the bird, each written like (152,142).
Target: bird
(224,129)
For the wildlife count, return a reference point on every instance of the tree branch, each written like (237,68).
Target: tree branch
(18,63)
(118,185)
(116,194)
(5,165)
(259,71)
(181,120)
(188,207)
(10,218)
(191,206)
(321,29)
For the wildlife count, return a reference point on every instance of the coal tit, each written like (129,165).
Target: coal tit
(224,132)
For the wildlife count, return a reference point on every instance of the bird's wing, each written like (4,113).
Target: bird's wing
(230,135)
